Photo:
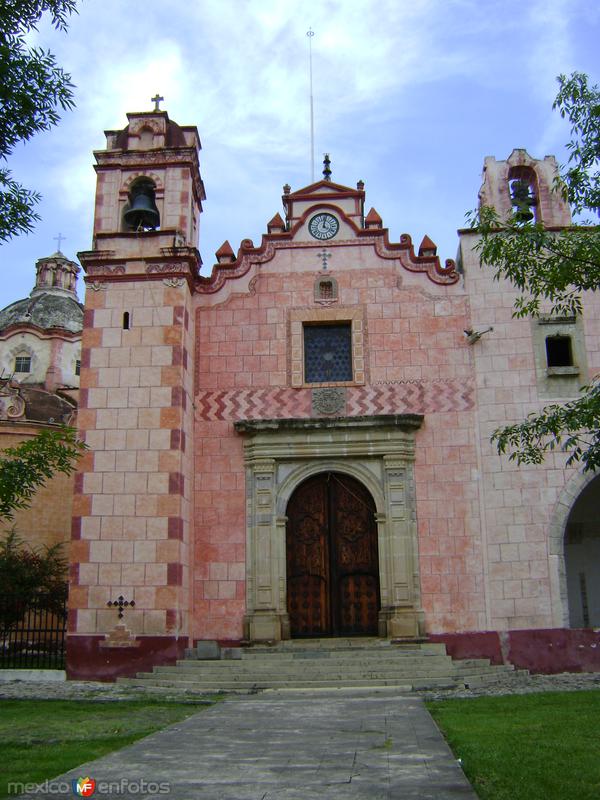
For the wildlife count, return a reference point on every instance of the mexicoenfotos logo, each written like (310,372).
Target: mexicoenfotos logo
(86,787)
(83,787)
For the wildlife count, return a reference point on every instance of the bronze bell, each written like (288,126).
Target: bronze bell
(522,200)
(142,213)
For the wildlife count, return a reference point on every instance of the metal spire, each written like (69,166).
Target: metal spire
(310,33)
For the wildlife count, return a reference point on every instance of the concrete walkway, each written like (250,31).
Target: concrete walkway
(288,746)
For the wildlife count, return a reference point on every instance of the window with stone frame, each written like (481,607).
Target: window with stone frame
(328,353)
(560,355)
(22,363)
(333,352)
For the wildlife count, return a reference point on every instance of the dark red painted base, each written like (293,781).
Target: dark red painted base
(545,651)
(474,644)
(87,661)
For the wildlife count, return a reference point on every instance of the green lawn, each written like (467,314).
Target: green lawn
(41,739)
(526,747)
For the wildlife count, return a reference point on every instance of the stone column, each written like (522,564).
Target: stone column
(400,614)
(265,552)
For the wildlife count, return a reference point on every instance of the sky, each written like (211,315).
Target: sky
(409,96)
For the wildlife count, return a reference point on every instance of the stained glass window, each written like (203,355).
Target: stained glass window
(327,353)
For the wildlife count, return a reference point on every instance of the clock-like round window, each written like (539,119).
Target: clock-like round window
(323,226)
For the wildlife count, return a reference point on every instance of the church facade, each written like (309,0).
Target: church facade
(299,444)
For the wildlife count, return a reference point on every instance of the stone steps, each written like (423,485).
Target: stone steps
(324,664)
(245,686)
(265,671)
(318,655)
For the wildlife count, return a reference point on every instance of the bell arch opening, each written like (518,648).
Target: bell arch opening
(332,559)
(582,558)
(140,213)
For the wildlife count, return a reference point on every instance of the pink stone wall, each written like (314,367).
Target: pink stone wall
(220,532)
(416,360)
(132,505)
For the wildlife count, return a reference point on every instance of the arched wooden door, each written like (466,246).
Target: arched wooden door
(332,558)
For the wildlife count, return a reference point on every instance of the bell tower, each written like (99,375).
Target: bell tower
(525,186)
(132,527)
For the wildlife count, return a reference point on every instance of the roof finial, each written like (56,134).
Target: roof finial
(326,167)
(157,99)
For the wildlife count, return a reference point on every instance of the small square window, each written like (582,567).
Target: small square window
(558,351)
(328,353)
(326,290)
(23,364)
(78,367)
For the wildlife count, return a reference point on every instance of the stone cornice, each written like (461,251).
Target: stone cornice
(405,422)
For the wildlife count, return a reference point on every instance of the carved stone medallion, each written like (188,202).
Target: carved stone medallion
(329,400)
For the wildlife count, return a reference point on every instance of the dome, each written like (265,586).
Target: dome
(44,311)
(52,302)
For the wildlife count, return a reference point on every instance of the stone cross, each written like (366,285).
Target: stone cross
(157,99)
(324,255)
(59,239)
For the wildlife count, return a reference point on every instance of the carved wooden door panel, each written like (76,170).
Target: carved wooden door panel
(355,563)
(332,559)
(307,547)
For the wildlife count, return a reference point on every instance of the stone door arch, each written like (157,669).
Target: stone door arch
(279,455)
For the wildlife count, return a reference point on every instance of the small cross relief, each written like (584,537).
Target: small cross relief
(324,255)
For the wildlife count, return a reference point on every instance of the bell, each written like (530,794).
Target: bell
(522,200)
(142,214)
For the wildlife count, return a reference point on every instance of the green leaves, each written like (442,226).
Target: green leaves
(17,207)
(28,575)
(580,104)
(30,464)
(33,90)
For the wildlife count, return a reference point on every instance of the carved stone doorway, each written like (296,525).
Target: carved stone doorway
(280,455)
(332,558)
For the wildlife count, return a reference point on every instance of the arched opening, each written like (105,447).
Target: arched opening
(524,193)
(582,558)
(140,212)
(332,558)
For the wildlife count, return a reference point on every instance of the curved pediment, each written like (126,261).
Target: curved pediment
(331,218)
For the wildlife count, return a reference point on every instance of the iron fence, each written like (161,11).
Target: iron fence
(35,636)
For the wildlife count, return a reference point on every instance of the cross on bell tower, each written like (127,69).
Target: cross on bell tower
(157,99)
